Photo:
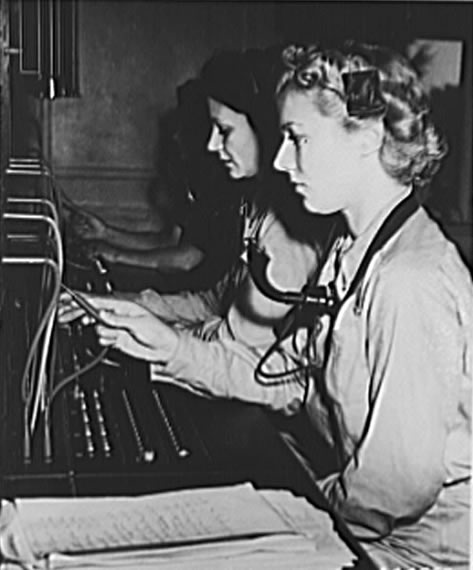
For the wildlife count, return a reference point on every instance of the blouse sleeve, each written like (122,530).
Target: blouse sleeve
(185,308)
(222,360)
(413,348)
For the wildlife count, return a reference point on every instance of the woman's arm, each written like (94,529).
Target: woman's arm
(414,347)
(166,258)
(187,308)
(91,227)
(220,358)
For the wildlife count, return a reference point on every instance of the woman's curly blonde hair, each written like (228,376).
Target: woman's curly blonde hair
(390,90)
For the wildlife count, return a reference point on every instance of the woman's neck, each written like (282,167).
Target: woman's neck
(372,198)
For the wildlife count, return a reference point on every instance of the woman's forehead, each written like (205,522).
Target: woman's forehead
(295,107)
(220,110)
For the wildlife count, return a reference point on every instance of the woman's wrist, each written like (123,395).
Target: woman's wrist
(172,349)
(175,344)
(106,232)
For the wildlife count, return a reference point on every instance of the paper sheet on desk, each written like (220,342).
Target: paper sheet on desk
(187,516)
(271,529)
(242,553)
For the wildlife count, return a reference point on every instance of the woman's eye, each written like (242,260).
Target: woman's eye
(223,131)
(298,140)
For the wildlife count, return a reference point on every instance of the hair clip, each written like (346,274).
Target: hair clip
(363,95)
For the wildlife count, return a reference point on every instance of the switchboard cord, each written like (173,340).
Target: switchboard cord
(47,321)
(77,374)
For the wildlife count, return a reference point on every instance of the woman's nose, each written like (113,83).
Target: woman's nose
(214,144)
(284,160)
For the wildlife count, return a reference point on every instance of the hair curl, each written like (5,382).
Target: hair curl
(412,147)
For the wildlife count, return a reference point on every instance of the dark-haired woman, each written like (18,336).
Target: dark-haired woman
(211,342)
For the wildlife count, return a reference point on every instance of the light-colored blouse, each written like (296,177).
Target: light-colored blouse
(399,371)
(218,350)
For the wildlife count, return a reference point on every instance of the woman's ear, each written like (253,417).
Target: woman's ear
(372,135)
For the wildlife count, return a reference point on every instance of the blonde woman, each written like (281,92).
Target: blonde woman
(393,357)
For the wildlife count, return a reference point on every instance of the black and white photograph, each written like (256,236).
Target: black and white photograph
(236,284)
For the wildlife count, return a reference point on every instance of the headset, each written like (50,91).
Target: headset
(313,300)
(323,298)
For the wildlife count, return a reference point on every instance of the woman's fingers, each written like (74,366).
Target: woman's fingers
(88,226)
(118,306)
(77,304)
(107,336)
(81,224)
(107,252)
(142,327)
(125,341)
(109,303)
(121,323)
(143,336)
(66,316)
(68,310)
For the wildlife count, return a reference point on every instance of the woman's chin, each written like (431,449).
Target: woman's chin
(314,208)
(235,174)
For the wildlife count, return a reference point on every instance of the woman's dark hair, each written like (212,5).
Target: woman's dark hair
(245,82)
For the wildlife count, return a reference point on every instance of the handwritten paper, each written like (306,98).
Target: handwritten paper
(188,516)
(218,528)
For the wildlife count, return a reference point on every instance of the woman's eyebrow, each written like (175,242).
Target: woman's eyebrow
(218,122)
(286,126)
(290,127)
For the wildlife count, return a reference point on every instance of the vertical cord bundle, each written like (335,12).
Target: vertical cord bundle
(34,390)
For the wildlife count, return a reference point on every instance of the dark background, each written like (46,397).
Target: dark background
(105,143)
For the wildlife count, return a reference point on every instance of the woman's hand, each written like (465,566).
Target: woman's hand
(68,309)
(88,226)
(122,324)
(74,304)
(135,330)
(105,251)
